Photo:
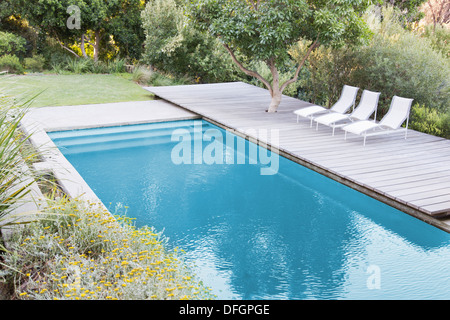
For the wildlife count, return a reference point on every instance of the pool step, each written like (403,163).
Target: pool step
(126,128)
(90,140)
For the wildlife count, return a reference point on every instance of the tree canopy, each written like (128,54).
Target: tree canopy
(102,18)
(264,30)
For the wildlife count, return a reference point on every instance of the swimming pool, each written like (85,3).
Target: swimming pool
(293,234)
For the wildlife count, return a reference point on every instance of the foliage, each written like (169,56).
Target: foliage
(176,47)
(439,38)
(87,65)
(264,30)
(398,62)
(430,121)
(35,64)
(5,11)
(11,43)
(103,18)
(409,10)
(14,180)
(141,74)
(117,66)
(326,72)
(47,16)
(11,64)
(78,65)
(126,29)
(446,125)
(159,79)
(81,252)
(395,62)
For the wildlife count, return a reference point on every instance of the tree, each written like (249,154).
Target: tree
(82,21)
(174,46)
(125,26)
(264,30)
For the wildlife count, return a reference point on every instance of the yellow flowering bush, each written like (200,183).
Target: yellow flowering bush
(80,251)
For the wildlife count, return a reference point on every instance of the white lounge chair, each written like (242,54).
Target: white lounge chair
(345,102)
(391,122)
(366,107)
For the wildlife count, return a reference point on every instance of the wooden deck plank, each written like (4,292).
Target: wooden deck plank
(393,170)
(433,200)
(439,187)
(413,184)
(383,164)
(414,172)
(373,155)
(425,195)
(404,173)
(415,165)
(439,208)
(412,178)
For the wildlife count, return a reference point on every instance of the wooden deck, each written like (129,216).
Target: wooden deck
(412,175)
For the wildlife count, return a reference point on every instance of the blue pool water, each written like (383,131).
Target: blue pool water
(291,235)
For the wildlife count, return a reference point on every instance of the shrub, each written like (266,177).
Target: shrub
(428,120)
(83,253)
(11,44)
(399,62)
(395,62)
(77,65)
(117,66)
(327,71)
(98,67)
(35,64)
(58,68)
(11,64)
(15,182)
(446,125)
(159,79)
(439,37)
(141,74)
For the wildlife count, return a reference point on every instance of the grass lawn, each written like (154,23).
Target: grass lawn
(63,90)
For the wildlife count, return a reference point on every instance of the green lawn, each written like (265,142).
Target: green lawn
(63,90)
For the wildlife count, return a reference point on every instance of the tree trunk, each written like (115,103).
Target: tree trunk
(276,93)
(83,49)
(96,45)
(276,100)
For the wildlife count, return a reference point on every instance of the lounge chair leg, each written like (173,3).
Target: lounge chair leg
(310,125)
(317,126)
(333,131)
(345,135)
(364,144)
(297,118)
